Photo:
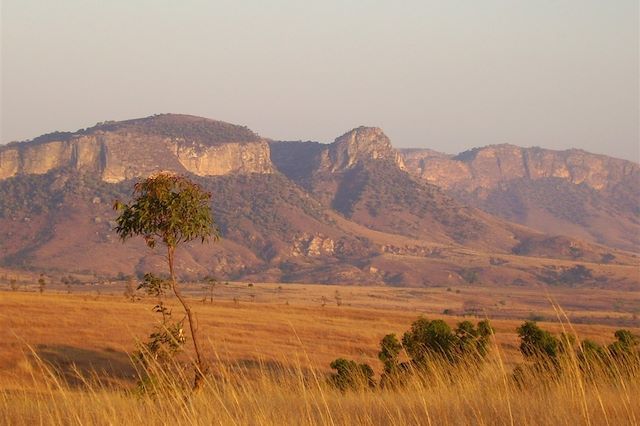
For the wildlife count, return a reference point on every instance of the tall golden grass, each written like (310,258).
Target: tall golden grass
(297,392)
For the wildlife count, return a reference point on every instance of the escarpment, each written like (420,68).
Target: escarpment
(490,166)
(352,211)
(121,151)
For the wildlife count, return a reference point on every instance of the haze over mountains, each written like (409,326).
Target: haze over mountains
(354,211)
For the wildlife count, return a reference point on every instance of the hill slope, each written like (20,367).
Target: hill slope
(582,195)
(346,212)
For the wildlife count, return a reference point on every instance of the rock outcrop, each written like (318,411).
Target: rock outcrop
(313,245)
(346,212)
(489,166)
(300,160)
(573,192)
(120,151)
(358,145)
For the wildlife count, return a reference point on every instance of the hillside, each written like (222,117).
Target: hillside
(582,195)
(346,212)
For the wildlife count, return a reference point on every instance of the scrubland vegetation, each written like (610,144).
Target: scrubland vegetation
(539,377)
(440,371)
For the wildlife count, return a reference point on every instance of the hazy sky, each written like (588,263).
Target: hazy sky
(447,75)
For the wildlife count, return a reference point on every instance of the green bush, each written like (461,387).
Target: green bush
(550,353)
(350,375)
(426,341)
(536,342)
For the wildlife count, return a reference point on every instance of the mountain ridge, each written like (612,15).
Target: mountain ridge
(352,211)
(584,195)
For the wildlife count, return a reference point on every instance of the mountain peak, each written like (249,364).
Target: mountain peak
(361,144)
(364,135)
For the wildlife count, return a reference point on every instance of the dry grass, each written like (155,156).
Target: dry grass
(64,361)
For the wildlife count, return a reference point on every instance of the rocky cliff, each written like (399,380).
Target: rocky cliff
(300,160)
(489,166)
(348,211)
(575,193)
(358,145)
(120,151)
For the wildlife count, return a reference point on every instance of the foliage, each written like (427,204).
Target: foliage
(350,375)
(607,258)
(390,348)
(470,275)
(626,344)
(41,194)
(435,339)
(536,342)
(426,341)
(428,338)
(171,210)
(165,341)
(167,208)
(553,354)
(575,275)
(190,129)
(41,284)
(209,286)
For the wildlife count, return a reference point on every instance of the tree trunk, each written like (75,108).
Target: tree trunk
(200,369)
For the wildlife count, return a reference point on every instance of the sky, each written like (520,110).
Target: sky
(445,75)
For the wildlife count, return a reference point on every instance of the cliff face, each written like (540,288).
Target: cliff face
(358,145)
(342,212)
(489,166)
(251,157)
(573,192)
(121,151)
(300,161)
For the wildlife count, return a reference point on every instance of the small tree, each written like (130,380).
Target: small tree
(171,210)
(209,285)
(168,338)
(41,284)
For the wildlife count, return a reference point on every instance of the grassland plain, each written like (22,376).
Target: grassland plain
(65,357)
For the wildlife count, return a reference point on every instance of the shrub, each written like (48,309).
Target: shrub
(607,258)
(470,275)
(626,344)
(575,275)
(551,354)
(390,348)
(536,342)
(351,375)
(427,340)
(435,339)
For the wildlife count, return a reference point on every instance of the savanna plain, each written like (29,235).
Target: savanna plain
(66,357)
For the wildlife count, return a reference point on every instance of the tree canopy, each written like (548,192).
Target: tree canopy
(167,208)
